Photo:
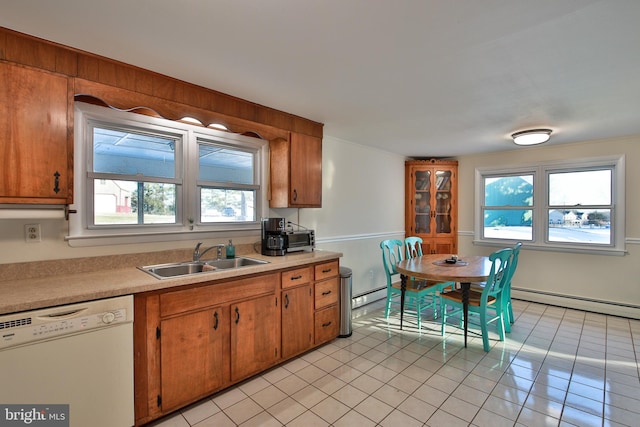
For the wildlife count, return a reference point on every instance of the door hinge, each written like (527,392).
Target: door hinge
(159,401)
(158,332)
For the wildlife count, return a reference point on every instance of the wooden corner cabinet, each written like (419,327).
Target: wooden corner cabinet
(431,204)
(296,172)
(35,126)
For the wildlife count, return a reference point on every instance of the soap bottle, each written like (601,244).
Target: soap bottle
(231,250)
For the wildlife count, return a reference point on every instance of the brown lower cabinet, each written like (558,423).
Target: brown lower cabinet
(195,340)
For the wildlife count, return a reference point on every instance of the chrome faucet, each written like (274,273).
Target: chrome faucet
(197,254)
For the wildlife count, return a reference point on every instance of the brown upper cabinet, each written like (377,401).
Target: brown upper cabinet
(36,145)
(431,210)
(296,172)
(40,80)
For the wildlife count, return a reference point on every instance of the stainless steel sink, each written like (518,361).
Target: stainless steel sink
(166,271)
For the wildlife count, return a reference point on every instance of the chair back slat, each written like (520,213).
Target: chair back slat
(392,251)
(413,246)
(500,273)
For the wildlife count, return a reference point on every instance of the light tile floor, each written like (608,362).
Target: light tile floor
(558,367)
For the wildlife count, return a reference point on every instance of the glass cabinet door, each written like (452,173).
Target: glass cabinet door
(443,202)
(422,199)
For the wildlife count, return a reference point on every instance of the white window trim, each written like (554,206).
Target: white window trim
(81,234)
(540,224)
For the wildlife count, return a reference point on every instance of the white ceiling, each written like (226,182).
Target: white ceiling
(414,77)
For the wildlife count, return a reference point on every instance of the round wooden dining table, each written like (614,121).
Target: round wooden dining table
(433,267)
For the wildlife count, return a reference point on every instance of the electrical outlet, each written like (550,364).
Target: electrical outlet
(32,233)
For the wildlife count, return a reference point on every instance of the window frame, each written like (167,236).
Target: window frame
(540,215)
(82,231)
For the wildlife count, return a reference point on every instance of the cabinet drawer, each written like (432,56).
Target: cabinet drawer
(326,270)
(296,277)
(326,324)
(326,293)
(216,294)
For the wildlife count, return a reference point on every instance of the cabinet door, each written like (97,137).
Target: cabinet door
(194,353)
(306,171)
(442,202)
(297,320)
(36,152)
(255,334)
(431,211)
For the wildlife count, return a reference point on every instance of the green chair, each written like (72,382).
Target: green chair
(419,295)
(488,303)
(508,310)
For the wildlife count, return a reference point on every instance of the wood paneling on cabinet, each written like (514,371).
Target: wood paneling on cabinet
(36,150)
(255,336)
(296,172)
(24,49)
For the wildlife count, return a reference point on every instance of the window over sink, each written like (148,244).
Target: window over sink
(156,179)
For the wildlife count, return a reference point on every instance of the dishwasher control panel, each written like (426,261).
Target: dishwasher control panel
(23,328)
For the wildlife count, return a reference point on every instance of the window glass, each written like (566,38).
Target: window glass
(119,202)
(227,183)
(580,188)
(224,205)
(223,164)
(506,210)
(580,206)
(133,153)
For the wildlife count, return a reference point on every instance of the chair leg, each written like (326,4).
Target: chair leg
(443,316)
(388,307)
(507,321)
(483,328)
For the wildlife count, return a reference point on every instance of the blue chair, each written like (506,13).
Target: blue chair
(488,304)
(419,295)
(508,310)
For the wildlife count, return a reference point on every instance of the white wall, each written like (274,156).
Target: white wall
(362,204)
(586,278)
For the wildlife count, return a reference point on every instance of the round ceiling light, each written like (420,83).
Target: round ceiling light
(531,137)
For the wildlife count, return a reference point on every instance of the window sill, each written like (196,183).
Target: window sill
(551,248)
(87,240)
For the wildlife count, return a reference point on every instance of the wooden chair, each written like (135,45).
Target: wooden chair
(488,303)
(419,295)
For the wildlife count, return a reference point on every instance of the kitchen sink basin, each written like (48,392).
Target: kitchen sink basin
(166,271)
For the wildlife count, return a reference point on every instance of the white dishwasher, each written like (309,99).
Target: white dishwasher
(78,354)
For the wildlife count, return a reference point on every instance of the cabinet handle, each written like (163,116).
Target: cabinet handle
(56,182)
(296,277)
(327,270)
(324,325)
(286,300)
(237,315)
(215,325)
(326,292)
(295,195)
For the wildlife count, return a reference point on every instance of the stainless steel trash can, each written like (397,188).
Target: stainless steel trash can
(345,302)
